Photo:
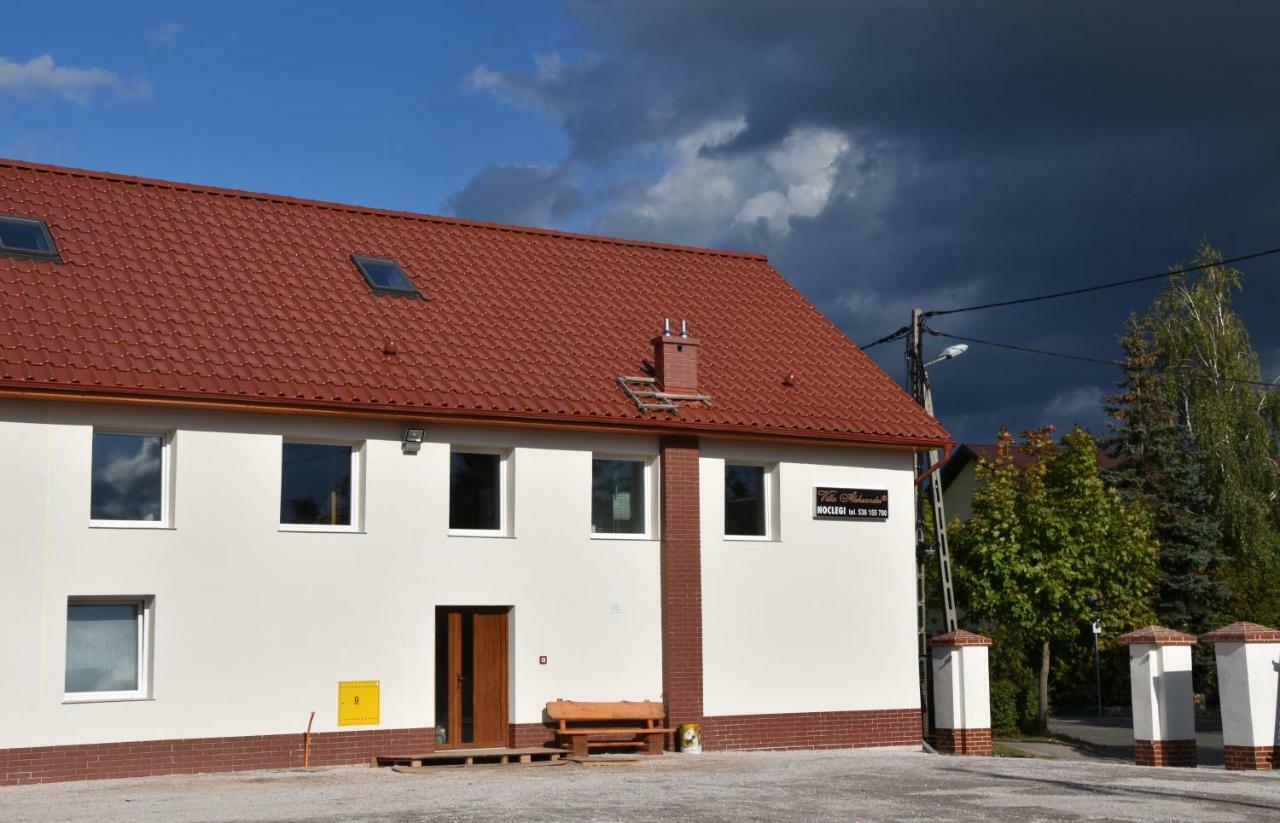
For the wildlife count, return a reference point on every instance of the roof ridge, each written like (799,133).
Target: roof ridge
(332,205)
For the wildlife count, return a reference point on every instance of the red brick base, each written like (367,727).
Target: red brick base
(963,741)
(1250,758)
(812,730)
(524,735)
(1165,753)
(49,764)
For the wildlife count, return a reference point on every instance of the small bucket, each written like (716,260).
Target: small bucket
(689,736)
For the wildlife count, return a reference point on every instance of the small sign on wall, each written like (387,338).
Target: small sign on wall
(830,503)
(358,702)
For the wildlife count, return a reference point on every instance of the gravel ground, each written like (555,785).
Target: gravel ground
(768,786)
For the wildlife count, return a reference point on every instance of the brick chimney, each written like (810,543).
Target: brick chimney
(676,359)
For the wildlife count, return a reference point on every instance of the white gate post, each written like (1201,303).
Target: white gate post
(1164,717)
(961,693)
(1248,658)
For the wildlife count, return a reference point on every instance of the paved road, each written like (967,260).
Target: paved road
(1111,738)
(765,786)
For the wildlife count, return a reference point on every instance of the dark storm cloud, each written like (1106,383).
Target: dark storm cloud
(526,195)
(995,150)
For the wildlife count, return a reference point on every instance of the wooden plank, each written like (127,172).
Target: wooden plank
(619,710)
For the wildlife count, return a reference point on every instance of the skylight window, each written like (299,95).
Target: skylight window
(25,235)
(384,276)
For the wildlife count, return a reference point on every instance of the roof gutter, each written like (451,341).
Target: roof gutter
(946,455)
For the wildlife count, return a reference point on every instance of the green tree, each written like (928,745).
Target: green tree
(1207,368)
(1159,465)
(1044,537)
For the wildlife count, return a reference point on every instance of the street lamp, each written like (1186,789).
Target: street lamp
(1094,606)
(948,353)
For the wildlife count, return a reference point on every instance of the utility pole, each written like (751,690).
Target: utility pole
(918,380)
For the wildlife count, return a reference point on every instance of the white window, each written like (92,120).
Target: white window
(748,501)
(621,497)
(108,648)
(131,479)
(478,490)
(319,486)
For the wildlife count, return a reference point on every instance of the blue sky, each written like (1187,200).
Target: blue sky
(884,155)
(366,103)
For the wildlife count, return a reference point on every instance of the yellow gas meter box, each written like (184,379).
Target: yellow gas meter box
(358,703)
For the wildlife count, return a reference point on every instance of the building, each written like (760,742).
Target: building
(269,456)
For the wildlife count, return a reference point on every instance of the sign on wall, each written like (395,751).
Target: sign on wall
(358,703)
(830,503)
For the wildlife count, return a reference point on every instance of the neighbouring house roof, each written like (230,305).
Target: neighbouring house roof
(183,292)
(966,453)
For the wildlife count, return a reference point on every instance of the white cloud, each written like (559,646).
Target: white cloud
(163,34)
(40,75)
(707,188)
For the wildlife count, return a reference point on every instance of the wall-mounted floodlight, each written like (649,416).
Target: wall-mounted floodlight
(948,353)
(413,436)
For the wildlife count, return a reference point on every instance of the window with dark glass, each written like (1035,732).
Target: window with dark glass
(384,276)
(127,478)
(315,484)
(104,648)
(617,496)
(744,501)
(475,491)
(25,235)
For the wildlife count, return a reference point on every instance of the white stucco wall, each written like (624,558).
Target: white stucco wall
(822,616)
(253,626)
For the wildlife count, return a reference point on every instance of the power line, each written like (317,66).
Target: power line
(1101,286)
(894,335)
(1063,355)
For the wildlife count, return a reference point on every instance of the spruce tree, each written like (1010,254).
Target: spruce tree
(1158,464)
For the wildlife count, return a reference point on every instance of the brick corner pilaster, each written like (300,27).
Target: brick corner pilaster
(681,579)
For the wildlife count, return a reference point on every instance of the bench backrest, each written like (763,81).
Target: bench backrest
(571,710)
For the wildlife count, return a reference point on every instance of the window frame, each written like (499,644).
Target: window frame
(166,481)
(504,492)
(768,472)
(17,251)
(356,526)
(647,460)
(378,289)
(146,607)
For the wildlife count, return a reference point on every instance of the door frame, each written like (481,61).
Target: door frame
(452,634)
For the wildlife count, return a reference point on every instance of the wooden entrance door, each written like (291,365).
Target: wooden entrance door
(471,676)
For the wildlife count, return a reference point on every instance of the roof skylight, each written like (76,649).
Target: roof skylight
(384,275)
(25,235)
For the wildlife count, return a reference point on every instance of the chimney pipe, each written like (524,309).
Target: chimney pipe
(684,329)
(666,327)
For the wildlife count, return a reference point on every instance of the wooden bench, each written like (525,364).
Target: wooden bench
(580,722)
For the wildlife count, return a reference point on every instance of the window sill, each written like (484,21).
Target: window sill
(623,536)
(105,697)
(131,524)
(320,529)
(750,538)
(479,533)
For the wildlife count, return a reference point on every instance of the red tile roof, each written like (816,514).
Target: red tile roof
(960,637)
(190,293)
(1156,636)
(1242,632)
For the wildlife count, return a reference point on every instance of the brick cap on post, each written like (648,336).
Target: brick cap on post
(1156,636)
(959,637)
(1241,632)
